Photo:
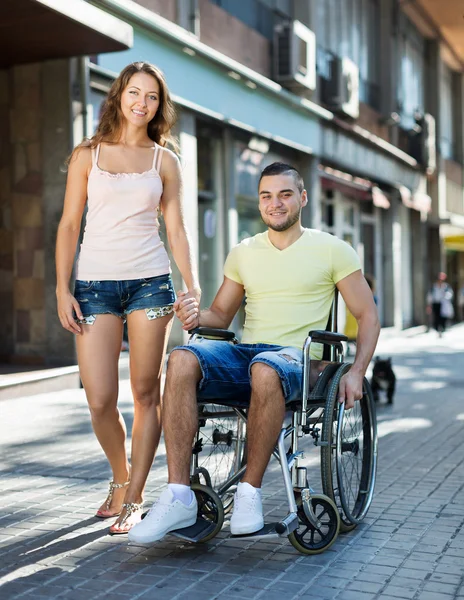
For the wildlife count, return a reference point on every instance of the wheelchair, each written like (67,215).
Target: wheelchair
(347,441)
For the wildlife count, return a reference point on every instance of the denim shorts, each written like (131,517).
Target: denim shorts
(226,369)
(154,295)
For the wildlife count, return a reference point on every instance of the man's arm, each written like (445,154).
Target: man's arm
(360,302)
(219,315)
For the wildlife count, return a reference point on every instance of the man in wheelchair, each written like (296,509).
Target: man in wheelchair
(288,275)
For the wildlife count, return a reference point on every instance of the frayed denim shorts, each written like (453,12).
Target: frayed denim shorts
(154,295)
(226,369)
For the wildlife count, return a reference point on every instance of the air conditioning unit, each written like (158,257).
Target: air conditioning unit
(423,142)
(341,91)
(295,56)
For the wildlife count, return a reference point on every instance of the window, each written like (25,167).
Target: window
(260,15)
(351,28)
(447,137)
(411,73)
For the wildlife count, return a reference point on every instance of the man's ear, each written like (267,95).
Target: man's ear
(304,198)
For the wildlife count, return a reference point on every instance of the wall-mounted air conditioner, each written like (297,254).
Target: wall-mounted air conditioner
(424,141)
(341,91)
(295,56)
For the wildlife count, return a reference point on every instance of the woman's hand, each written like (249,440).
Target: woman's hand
(66,305)
(187,308)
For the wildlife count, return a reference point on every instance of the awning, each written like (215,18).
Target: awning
(353,187)
(454,242)
(37,30)
(417,200)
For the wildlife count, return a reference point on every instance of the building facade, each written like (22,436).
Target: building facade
(363,96)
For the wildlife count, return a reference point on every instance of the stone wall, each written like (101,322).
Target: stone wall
(27,213)
(6,224)
(32,121)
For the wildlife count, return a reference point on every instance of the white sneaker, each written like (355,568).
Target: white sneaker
(248,510)
(167,514)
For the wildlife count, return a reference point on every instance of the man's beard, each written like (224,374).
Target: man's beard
(291,220)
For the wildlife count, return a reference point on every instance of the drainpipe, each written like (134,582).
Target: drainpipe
(84,83)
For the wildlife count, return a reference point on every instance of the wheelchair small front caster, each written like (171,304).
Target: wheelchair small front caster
(309,539)
(210,516)
(209,509)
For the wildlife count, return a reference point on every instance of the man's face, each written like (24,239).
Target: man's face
(280,202)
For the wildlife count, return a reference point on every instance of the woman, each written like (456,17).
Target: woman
(126,175)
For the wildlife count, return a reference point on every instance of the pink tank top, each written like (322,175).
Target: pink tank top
(121,237)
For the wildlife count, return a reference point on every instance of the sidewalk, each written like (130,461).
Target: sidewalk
(411,545)
(17,381)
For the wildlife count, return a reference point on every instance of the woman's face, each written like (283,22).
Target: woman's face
(140,99)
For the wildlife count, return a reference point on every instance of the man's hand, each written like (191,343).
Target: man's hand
(351,388)
(187,309)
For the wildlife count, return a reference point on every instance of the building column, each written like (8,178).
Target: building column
(189,164)
(57,143)
(311,215)
(7,249)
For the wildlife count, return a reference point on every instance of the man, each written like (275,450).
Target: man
(440,303)
(288,275)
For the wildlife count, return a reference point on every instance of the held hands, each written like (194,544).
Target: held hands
(187,308)
(351,388)
(66,304)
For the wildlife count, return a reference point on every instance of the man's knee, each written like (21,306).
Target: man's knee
(264,377)
(183,364)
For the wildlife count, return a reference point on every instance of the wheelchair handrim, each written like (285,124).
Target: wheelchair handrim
(356,514)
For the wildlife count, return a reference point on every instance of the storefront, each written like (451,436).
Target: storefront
(232,123)
(39,87)
(369,192)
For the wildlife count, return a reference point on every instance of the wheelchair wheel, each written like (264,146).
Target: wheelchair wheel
(209,508)
(349,453)
(308,539)
(220,449)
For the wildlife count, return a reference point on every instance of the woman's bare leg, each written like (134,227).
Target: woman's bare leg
(147,343)
(98,351)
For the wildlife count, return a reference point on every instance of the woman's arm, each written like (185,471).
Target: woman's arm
(177,232)
(68,233)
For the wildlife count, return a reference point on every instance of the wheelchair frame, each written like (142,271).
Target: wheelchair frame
(295,476)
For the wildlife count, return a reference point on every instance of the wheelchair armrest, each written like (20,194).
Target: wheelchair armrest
(223,334)
(327,337)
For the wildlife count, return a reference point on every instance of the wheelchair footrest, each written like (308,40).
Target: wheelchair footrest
(195,532)
(268,530)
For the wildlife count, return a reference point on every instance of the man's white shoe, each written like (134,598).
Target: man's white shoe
(248,510)
(167,514)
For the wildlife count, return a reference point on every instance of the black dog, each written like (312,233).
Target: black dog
(383,378)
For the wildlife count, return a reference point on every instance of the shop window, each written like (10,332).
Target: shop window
(328,212)
(96,101)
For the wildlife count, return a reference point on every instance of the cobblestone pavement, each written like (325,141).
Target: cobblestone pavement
(411,545)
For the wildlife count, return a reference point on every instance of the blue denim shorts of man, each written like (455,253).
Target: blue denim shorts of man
(154,295)
(226,369)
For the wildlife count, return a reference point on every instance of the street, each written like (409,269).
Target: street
(410,546)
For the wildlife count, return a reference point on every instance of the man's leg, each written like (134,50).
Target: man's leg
(180,413)
(276,376)
(177,506)
(265,418)
(223,371)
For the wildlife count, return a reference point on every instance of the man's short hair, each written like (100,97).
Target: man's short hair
(279,168)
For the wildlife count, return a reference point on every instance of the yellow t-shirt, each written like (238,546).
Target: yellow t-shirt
(289,292)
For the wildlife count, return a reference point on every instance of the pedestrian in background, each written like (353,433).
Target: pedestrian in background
(440,303)
(126,175)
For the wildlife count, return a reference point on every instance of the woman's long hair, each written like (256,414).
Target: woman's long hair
(111,120)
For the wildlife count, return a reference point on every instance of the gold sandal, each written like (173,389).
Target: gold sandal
(131,508)
(112,486)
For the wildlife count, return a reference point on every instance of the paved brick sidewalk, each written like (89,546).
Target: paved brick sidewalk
(410,546)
